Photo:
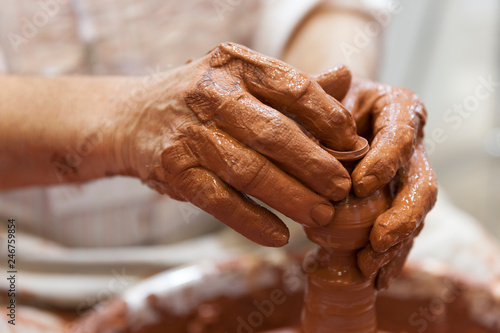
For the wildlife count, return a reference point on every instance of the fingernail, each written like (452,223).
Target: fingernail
(322,214)
(339,188)
(365,185)
(276,238)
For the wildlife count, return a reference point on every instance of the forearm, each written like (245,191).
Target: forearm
(56,130)
(329,37)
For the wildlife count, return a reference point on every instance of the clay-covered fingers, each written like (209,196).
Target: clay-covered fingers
(397,116)
(416,195)
(291,91)
(335,82)
(272,134)
(207,191)
(232,168)
(253,174)
(370,262)
(392,269)
(156,181)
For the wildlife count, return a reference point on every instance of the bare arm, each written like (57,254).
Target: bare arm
(58,130)
(332,33)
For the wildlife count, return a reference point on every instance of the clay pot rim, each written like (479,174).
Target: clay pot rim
(360,150)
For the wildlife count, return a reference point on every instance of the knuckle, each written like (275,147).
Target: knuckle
(224,53)
(176,158)
(254,173)
(273,132)
(384,169)
(406,141)
(303,84)
(408,227)
(158,182)
(221,55)
(201,96)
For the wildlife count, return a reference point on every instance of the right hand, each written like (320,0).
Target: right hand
(221,127)
(392,118)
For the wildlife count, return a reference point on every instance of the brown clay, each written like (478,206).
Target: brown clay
(232,135)
(339,298)
(392,119)
(409,305)
(237,122)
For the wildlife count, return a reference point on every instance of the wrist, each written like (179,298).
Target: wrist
(93,130)
(136,130)
(118,127)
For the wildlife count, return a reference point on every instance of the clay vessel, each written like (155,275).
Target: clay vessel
(338,297)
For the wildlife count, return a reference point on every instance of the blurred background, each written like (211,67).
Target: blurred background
(443,50)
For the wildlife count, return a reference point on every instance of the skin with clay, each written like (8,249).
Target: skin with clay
(230,125)
(76,129)
(221,127)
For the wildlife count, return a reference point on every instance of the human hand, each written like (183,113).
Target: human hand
(392,118)
(220,128)
(392,236)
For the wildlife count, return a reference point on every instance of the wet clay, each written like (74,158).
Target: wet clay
(339,298)
(405,307)
(295,330)
(235,124)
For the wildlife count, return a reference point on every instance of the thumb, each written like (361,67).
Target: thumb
(335,82)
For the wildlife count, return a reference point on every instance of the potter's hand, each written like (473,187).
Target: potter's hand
(219,128)
(393,118)
(394,230)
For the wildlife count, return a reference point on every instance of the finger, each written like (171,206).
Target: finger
(414,199)
(274,135)
(279,138)
(335,82)
(293,93)
(206,191)
(251,173)
(393,268)
(370,261)
(156,183)
(397,117)
(359,100)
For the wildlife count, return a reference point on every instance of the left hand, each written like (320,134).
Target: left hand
(392,119)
